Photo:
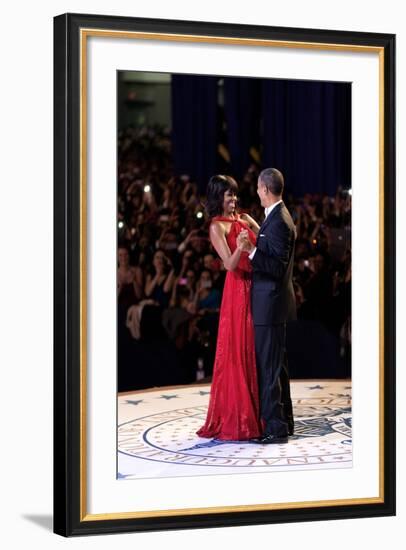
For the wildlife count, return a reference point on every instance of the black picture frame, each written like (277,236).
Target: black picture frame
(69,519)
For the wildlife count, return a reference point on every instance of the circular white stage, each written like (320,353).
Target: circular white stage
(157,434)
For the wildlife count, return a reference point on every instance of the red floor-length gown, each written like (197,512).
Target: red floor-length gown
(234,403)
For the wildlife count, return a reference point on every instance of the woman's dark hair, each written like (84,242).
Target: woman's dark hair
(216,188)
(150,270)
(205,270)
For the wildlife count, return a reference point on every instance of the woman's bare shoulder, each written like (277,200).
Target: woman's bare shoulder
(217,227)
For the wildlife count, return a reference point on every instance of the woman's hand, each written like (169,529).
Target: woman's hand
(252,224)
(169,263)
(243,242)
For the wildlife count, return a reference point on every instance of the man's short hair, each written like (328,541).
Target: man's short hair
(272,179)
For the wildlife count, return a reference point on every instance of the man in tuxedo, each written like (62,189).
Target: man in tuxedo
(273,304)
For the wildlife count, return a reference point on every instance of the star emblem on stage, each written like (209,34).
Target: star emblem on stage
(167,397)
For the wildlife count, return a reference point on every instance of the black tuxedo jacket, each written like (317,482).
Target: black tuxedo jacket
(273,297)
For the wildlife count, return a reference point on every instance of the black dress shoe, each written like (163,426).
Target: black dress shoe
(270,438)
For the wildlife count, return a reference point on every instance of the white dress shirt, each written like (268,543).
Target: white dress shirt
(267,212)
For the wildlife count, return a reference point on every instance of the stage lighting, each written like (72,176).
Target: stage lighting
(147,188)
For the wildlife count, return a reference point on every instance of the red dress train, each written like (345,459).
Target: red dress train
(233,412)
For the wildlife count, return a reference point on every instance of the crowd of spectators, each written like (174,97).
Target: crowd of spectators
(170,279)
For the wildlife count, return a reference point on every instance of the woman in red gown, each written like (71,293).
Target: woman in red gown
(233,413)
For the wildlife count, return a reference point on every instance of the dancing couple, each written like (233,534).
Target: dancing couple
(250,392)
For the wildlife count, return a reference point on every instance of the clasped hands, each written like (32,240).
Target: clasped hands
(243,241)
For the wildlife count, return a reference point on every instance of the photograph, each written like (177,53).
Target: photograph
(233,275)
(224,274)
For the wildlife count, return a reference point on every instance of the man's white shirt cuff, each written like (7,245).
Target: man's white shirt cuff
(251,255)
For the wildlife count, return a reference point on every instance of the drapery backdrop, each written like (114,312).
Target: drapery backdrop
(301,127)
(194,126)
